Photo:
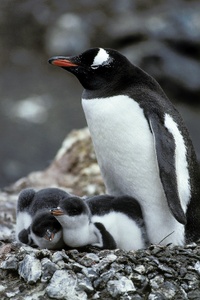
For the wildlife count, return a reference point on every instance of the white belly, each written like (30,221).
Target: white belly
(126,155)
(126,233)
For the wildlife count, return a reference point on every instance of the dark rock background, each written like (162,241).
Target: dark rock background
(40,104)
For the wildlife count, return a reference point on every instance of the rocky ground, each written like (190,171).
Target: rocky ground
(156,273)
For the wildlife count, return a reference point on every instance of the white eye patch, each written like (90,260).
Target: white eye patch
(100,59)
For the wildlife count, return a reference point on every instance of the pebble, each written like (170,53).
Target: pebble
(30,269)
(35,296)
(156,296)
(57,256)
(85,284)
(194,294)
(11,263)
(2,288)
(168,289)
(89,259)
(90,273)
(63,285)
(156,282)
(48,269)
(197,267)
(140,269)
(108,275)
(120,286)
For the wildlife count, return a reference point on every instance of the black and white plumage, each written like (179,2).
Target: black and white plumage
(142,145)
(104,221)
(78,230)
(44,231)
(35,225)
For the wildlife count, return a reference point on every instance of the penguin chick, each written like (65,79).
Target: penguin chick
(32,218)
(74,217)
(103,221)
(122,218)
(46,231)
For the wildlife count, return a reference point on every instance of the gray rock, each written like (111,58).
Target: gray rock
(120,286)
(85,284)
(105,276)
(168,289)
(89,259)
(36,295)
(30,269)
(156,282)
(139,280)
(194,294)
(140,269)
(2,288)
(48,269)
(90,273)
(5,232)
(63,285)
(197,267)
(156,296)
(11,263)
(57,256)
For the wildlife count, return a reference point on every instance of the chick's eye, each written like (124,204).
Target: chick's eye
(74,211)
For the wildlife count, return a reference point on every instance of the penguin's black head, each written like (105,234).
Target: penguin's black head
(95,68)
(72,206)
(43,223)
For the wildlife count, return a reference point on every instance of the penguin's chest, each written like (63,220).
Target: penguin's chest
(123,144)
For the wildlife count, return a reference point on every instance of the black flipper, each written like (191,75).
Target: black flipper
(23,236)
(108,240)
(165,152)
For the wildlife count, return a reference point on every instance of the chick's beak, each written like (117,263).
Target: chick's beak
(57,211)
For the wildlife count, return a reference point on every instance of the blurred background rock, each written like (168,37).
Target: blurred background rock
(40,104)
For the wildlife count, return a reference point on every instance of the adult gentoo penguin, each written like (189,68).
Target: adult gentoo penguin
(142,145)
(35,226)
(104,221)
